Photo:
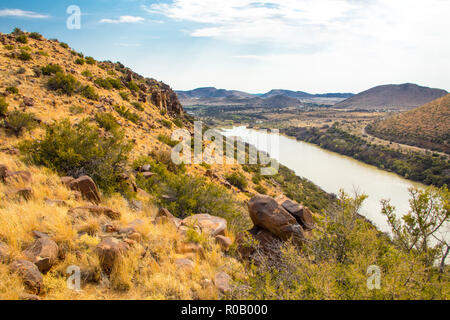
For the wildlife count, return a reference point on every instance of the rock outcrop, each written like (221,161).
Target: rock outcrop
(30,274)
(87,187)
(43,253)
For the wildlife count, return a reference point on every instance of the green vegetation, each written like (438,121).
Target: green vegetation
(43,53)
(166,123)
(138,106)
(24,55)
(87,74)
(107,121)
(81,150)
(167,140)
(9,47)
(22,39)
(127,114)
(124,95)
(76,109)
(425,168)
(3,107)
(35,36)
(178,123)
(103,83)
(18,121)
(64,45)
(79,61)
(133,86)
(238,180)
(90,60)
(63,83)
(89,93)
(51,69)
(12,90)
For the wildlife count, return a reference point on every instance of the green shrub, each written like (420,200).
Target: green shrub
(76,109)
(43,53)
(87,74)
(18,121)
(116,84)
(103,83)
(79,61)
(21,70)
(238,180)
(24,55)
(81,150)
(17,31)
(259,188)
(26,48)
(90,60)
(127,114)
(124,95)
(64,45)
(163,112)
(137,106)
(89,93)
(178,122)
(167,140)
(9,47)
(22,39)
(133,86)
(166,123)
(107,121)
(12,90)
(35,36)
(64,83)
(3,107)
(51,69)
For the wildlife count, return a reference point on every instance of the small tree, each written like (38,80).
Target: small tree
(421,231)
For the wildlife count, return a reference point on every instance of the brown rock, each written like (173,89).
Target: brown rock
(222,282)
(43,253)
(189,247)
(30,274)
(3,171)
(184,263)
(17,176)
(67,180)
(302,214)
(29,102)
(87,187)
(210,224)
(40,235)
(224,242)
(266,213)
(148,175)
(110,251)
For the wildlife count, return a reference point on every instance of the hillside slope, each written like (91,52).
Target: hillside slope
(392,97)
(427,126)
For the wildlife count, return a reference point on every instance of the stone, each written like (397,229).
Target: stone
(87,187)
(184,263)
(209,224)
(148,175)
(164,216)
(29,102)
(30,274)
(222,282)
(29,297)
(17,176)
(145,168)
(3,171)
(110,250)
(43,253)
(224,242)
(302,214)
(67,180)
(266,213)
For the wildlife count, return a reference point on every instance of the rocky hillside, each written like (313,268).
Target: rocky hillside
(427,126)
(392,97)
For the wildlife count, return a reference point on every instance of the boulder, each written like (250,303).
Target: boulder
(209,224)
(30,274)
(266,213)
(29,102)
(87,187)
(224,242)
(67,180)
(17,176)
(164,216)
(3,171)
(95,210)
(109,251)
(222,282)
(132,227)
(302,214)
(184,263)
(43,253)
(267,245)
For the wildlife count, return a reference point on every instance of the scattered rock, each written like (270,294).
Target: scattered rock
(30,274)
(3,171)
(210,224)
(87,187)
(43,253)
(29,102)
(222,282)
(109,251)
(224,242)
(184,263)
(266,213)
(302,214)
(132,227)
(145,168)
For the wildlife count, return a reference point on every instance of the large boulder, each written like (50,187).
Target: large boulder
(209,224)
(110,251)
(87,187)
(43,253)
(30,274)
(266,213)
(302,214)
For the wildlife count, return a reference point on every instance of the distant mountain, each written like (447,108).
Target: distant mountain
(427,126)
(391,97)
(273,98)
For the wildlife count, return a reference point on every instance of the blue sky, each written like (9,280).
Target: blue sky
(308,45)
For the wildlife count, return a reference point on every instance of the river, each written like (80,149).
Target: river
(332,172)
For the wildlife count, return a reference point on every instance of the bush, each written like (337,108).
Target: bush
(21,70)
(86,73)
(9,47)
(137,106)
(43,53)
(22,39)
(103,83)
(89,93)
(81,150)
(18,121)
(79,61)
(51,69)
(166,123)
(12,90)
(17,31)
(178,122)
(90,60)
(127,114)
(238,180)
(35,36)
(3,107)
(259,188)
(26,48)
(64,45)
(116,84)
(107,121)
(124,95)
(64,83)
(167,140)
(76,109)
(133,86)
(24,55)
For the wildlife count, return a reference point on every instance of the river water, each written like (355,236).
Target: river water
(333,172)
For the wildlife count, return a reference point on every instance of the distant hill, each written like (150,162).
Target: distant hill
(427,126)
(273,98)
(392,97)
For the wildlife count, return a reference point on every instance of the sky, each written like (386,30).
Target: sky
(316,46)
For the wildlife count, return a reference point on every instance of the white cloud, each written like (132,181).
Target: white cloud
(22,14)
(124,19)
